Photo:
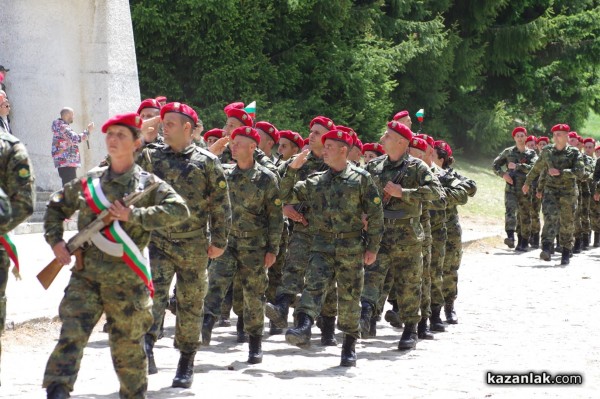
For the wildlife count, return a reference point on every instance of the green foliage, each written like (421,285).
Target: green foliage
(478,67)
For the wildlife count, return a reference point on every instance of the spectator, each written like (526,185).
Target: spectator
(65,150)
(3,72)
(4,110)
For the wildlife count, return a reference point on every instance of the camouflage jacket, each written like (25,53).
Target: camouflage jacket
(336,203)
(463,188)
(588,176)
(313,164)
(595,185)
(437,208)
(5,210)
(259,156)
(163,207)
(16,180)
(256,208)
(568,160)
(196,175)
(524,161)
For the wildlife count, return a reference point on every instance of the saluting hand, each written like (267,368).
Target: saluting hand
(119,211)
(395,190)
(150,129)
(219,146)
(299,160)
(61,253)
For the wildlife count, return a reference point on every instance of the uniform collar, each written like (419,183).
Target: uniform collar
(343,175)
(123,179)
(399,162)
(187,150)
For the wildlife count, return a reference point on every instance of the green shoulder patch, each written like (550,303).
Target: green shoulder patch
(377,200)
(427,178)
(277,202)
(222,184)
(23,172)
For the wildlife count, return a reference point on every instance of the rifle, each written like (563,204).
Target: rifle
(91,233)
(396,180)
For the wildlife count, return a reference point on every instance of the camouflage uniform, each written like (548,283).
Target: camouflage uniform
(16,180)
(402,244)
(586,196)
(336,202)
(595,205)
(181,250)
(518,205)
(559,201)
(107,284)
(256,230)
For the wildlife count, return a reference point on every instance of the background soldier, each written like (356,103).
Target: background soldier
(340,197)
(518,160)
(586,197)
(107,283)
(372,151)
(564,165)
(183,250)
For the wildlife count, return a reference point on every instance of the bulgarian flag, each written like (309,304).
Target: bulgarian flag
(97,201)
(11,250)
(251,109)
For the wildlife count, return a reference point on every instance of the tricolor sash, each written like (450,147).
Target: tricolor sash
(11,250)
(97,201)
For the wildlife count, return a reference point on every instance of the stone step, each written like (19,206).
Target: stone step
(38,227)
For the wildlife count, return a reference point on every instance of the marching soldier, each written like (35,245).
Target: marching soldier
(108,282)
(564,165)
(184,250)
(372,151)
(587,191)
(269,137)
(338,198)
(290,143)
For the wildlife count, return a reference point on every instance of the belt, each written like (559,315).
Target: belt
(438,226)
(394,214)
(351,234)
(247,234)
(183,234)
(398,221)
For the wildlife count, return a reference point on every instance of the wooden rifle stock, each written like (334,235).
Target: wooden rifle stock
(49,273)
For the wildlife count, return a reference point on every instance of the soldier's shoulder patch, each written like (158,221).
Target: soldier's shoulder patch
(427,177)
(277,202)
(23,172)
(57,196)
(377,200)
(222,184)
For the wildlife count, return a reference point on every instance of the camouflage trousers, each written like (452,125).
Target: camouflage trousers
(584,214)
(246,270)
(426,279)
(536,207)
(294,270)
(4,267)
(127,305)
(559,208)
(517,212)
(452,260)
(594,215)
(325,270)
(187,259)
(275,272)
(438,254)
(578,215)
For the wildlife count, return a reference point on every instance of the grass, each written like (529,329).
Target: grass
(592,126)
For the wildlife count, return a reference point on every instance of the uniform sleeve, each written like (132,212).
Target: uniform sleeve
(526,166)
(219,205)
(288,182)
(577,171)
(426,190)
(538,167)
(373,208)
(5,210)
(440,203)
(275,217)
(62,205)
(169,209)
(498,163)
(19,186)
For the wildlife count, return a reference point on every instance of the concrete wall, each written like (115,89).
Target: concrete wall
(77,53)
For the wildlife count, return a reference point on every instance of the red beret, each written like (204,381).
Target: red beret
(323,121)
(589,140)
(375,147)
(519,129)
(530,138)
(240,114)
(306,141)
(268,129)
(130,119)
(543,138)
(400,115)
(338,135)
(161,98)
(418,143)
(430,141)
(358,143)
(597,148)
(580,138)
(293,137)
(179,108)
(218,133)
(246,131)
(148,103)
(441,144)
(573,135)
(561,127)
(401,129)
(236,105)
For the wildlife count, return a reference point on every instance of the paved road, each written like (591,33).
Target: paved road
(517,314)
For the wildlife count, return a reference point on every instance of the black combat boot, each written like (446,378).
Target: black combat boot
(274,330)
(422,329)
(255,354)
(450,313)
(242,337)
(510,239)
(373,327)
(435,320)
(57,391)
(207,326)
(393,318)
(565,258)
(407,340)
(558,248)
(172,306)
(278,312)
(149,348)
(545,254)
(328,331)
(300,335)
(184,376)
(535,241)
(348,351)
(577,246)
(366,315)
(596,239)
(585,242)
(523,244)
